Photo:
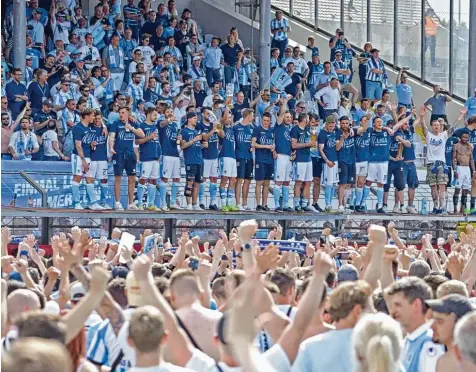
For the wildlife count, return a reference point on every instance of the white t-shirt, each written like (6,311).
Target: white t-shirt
(163,367)
(436,145)
(331,97)
(48,137)
(147,54)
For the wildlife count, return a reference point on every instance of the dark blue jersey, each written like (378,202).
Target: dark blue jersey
(362,146)
(193,154)
(264,137)
(100,153)
(227,143)
(346,154)
(125,140)
(282,138)
(329,139)
(394,145)
(243,135)
(409,152)
(168,139)
(379,146)
(85,135)
(302,136)
(210,152)
(151,149)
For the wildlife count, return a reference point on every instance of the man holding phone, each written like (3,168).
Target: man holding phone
(338,42)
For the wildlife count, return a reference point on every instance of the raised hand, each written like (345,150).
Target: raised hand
(99,280)
(141,267)
(377,234)
(323,264)
(247,230)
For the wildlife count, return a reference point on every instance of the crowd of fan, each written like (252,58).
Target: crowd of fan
(192,98)
(96,305)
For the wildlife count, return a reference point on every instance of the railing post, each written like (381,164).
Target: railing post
(450,54)
(423,41)
(316,14)
(395,33)
(369,29)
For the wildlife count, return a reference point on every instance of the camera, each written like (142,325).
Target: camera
(340,33)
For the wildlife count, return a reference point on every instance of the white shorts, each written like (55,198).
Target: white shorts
(170,167)
(210,168)
(149,169)
(99,169)
(303,171)
(362,168)
(228,167)
(330,176)
(378,172)
(283,171)
(464,177)
(77,166)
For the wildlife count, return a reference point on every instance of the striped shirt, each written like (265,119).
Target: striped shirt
(131,10)
(341,65)
(244,72)
(372,76)
(278,24)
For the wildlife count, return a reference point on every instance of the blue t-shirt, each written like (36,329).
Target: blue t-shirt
(227,143)
(379,146)
(409,152)
(243,135)
(438,104)
(362,144)
(302,136)
(125,140)
(85,135)
(151,149)
(282,138)
(404,93)
(100,154)
(193,154)
(264,137)
(168,139)
(394,145)
(210,152)
(346,154)
(329,139)
(449,150)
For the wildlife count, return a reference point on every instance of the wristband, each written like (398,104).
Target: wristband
(160,245)
(246,247)
(309,257)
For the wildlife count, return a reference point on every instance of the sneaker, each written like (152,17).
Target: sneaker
(78,206)
(411,209)
(341,209)
(258,208)
(381,210)
(165,208)
(310,208)
(202,206)
(439,211)
(176,207)
(198,208)
(240,208)
(265,208)
(358,208)
(225,208)
(105,206)
(118,206)
(472,211)
(328,209)
(384,208)
(288,209)
(233,208)
(444,212)
(396,209)
(247,208)
(140,207)
(189,208)
(403,210)
(466,212)
(298,209)
(434,211)
(96,207)
(317,207)
(279,210)
(214,207)
(132,207)
(153,208)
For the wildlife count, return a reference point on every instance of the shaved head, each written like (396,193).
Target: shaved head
(20,301)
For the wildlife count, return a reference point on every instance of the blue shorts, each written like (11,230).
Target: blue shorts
(124,161)
(410,176)
(316,167)
(194,172)
(244,169)
(395,170)
(373,89)
(346,173)
(264,171)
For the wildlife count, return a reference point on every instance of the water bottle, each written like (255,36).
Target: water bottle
(424,210)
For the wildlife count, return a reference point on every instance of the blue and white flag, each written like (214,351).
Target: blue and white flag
(280,79)
(284,245)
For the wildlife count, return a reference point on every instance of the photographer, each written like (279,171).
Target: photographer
(338,42)
(438,103)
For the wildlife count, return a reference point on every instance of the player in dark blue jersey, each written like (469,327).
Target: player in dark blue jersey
(301,142)
(327,148)
(395,169)
(169,136)
(316,162)
(263,143)
(99,163)
(122,135)
(362,154)
(81,160)
(345,147)
(149,154)
(410,176)
(244,158)
(192,152)
(208,129)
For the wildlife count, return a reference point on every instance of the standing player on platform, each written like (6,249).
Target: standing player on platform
(410,175)
(227,166)
(263,143)
(192,153)
(395,171)
(244,159)
(283,150)
(301,142)
(99,163)
(316,162)
(81,160)
(362,155)
(463,165)
(122,136)
(169,137)
(149,154)
(345,147)
(437,176)
(327,147)
(209,133)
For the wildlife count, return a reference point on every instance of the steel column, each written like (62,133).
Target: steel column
(395,33)
(472,48)
(369,18)
(450,54)
(316,13)
(342,15)
(19,34)
(265,41)
(423,41)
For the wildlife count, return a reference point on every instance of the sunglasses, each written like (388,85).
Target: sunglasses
(86,91)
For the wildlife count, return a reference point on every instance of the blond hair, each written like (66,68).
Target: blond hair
(146,329)
(343,299)
(450,287)
(377,342)
(36,355)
